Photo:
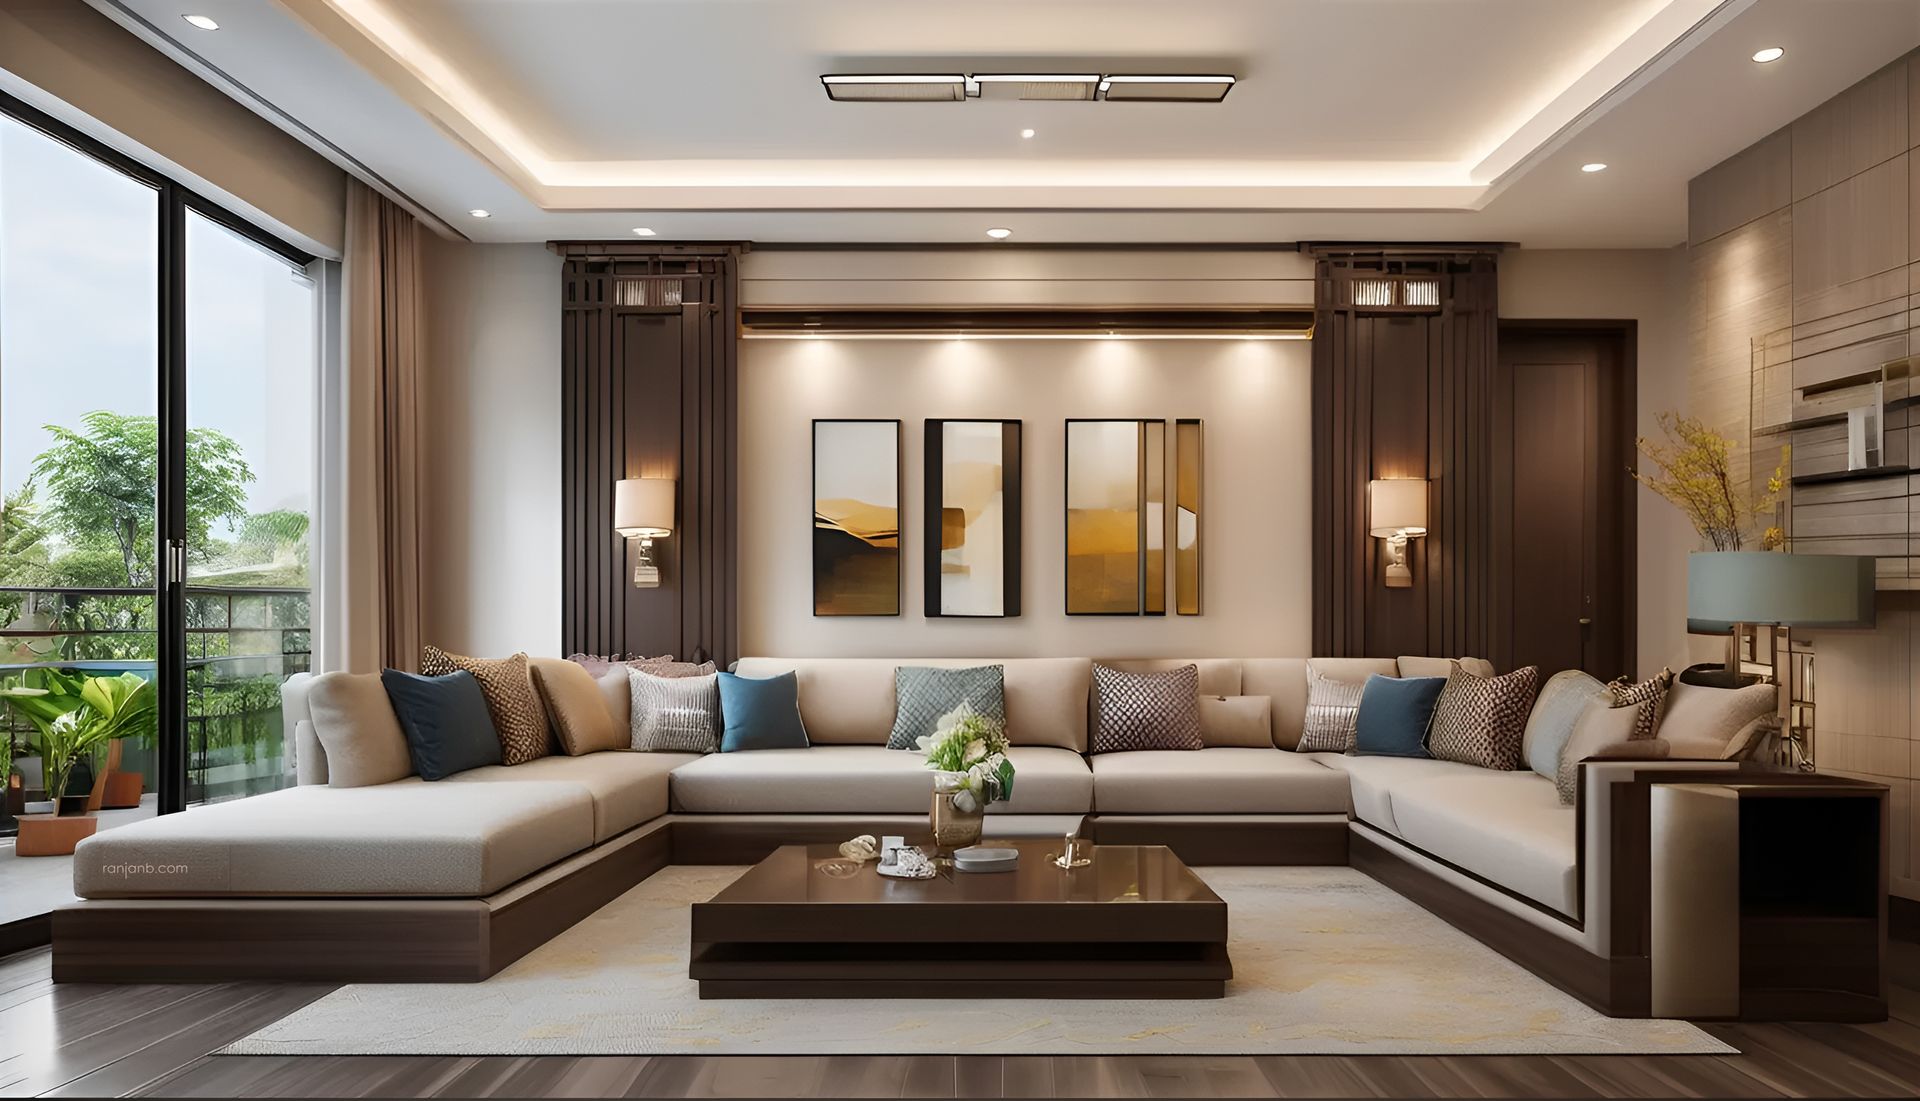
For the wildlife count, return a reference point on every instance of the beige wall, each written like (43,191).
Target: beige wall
(1647,286)
(1253,396)
(1809,231)
(69,60)
(491,449)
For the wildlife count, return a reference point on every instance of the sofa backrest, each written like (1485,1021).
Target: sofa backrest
(849,701)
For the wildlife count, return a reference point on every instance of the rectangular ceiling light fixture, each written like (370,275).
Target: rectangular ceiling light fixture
(895,87)
(1037,86)
(1166,89)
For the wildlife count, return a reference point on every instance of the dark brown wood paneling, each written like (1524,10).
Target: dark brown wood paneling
(649,384)
(1201,842)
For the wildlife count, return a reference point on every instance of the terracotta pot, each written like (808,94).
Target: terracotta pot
(952,827)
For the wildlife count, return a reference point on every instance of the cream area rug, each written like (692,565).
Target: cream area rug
(1325,961)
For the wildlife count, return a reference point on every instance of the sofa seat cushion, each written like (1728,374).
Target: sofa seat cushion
(1373,780)
(628,788)
(1225,780)
(1506,827)
(405,839)
(865,779)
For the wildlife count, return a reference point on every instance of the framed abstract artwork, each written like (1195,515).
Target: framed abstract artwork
(856,517)
(1188,466)
(1116,522)
(972,518)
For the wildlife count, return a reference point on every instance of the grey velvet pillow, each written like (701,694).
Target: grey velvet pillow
(1562,701)
(922,695)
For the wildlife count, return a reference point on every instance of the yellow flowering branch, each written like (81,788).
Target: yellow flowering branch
(1693,470)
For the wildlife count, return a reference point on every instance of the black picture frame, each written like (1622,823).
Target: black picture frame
(1012,504)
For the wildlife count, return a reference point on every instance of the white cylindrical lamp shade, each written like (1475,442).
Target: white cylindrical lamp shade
(1396,506)
(1778,589)
(643,507)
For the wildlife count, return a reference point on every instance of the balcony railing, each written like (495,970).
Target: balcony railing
(242,642)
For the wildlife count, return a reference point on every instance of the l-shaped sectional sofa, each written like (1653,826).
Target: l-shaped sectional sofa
(453,880)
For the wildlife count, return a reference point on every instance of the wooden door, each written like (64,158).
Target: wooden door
(1569,457)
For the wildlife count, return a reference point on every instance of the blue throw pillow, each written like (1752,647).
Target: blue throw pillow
(1393,717)
(445,720)
(760,714)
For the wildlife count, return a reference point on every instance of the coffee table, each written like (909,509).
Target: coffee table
(807,923)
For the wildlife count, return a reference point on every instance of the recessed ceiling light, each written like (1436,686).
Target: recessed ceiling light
(1026,133)
(481,213)
(999,233)
(1771,53)
(204,22)
(895,87)
(642,231)
(1593,166)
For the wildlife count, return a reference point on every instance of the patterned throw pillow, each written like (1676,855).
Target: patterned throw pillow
(1481,720)
(1332,708)
(517,713)
(675,714)
(922,695)
(1653,691)
(1146,710)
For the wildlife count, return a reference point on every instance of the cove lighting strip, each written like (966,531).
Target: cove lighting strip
(749,334)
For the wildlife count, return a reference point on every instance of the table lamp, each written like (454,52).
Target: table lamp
(643,510)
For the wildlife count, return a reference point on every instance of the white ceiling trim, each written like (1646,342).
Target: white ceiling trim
(370,32)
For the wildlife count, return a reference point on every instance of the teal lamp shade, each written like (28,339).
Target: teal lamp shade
(1778,589)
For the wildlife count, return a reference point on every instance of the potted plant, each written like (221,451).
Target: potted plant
(73,717)
(968,755)
(1694,471)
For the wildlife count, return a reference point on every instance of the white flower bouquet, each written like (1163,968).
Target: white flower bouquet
(968,754)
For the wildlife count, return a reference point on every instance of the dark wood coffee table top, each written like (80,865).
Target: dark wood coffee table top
(810,893)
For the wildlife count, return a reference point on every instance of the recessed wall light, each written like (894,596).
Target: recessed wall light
(1771,53)
(999,233)
(481,213)
(204,22)
(1026,133)
(642,231)
(1593,166)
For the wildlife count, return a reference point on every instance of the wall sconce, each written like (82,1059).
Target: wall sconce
(643,510)
(1396,512)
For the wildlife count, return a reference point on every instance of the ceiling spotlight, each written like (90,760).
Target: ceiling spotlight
(1593,166)
(895,87)
(204,22)
(1166,88)
(642,231)
(1771,53)
(1027,133)
(999,233)
(1054,86)
(481,213)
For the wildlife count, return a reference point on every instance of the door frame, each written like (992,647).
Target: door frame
(1622,387)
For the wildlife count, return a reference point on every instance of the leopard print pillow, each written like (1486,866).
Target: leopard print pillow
(507,685)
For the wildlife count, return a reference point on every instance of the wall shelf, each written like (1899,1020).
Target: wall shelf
(1831,476)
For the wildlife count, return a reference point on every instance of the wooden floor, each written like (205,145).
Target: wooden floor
(97,1041)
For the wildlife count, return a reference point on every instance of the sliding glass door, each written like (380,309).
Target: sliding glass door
(157,431)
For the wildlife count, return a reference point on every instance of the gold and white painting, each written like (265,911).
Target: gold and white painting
(1188,467)
(973,518)
(856,517)
(1116,517)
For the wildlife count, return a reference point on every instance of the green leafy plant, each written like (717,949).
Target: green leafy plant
(74,714)
(969,751)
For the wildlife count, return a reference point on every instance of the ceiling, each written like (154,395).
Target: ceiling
(1351,119)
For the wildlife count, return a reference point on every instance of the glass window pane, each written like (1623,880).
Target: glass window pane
(79,264)
(250,470)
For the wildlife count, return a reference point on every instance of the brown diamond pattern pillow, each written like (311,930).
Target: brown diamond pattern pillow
(1652,691)
(1482,720)
(1146,710)
(511,700)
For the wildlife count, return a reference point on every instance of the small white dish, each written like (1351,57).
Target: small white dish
(983,858)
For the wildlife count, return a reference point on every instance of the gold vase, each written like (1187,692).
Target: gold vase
(952,827)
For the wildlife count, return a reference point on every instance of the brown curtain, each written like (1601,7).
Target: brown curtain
(385,328)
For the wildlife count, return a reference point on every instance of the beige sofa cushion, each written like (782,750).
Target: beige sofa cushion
(1245,721)
(410,838)
(1442,667)
(1216,781)
(1373,781)
(581,719)
(616,691)
(1285,680)
(862,779)
(1700,720)
(1506,827)
(356,726)
(849,701)
(627,788)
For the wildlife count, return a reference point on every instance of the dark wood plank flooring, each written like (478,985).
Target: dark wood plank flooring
(98,1041)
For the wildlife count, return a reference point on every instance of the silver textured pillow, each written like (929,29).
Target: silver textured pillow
(1333,706)
(675,714)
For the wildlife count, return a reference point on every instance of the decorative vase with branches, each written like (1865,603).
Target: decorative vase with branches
(1694,471)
